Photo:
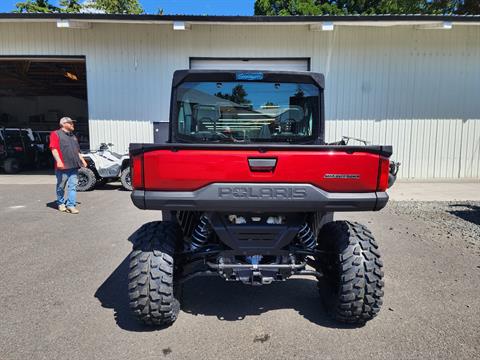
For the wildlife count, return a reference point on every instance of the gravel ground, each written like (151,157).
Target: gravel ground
(455,221)
(63,294)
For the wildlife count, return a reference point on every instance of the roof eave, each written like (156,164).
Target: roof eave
(358,20)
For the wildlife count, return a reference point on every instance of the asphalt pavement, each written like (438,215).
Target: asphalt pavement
(404,190)
(63,290)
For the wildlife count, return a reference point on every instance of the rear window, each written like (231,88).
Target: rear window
(246,111)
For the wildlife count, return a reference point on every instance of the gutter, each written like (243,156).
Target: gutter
(354,20)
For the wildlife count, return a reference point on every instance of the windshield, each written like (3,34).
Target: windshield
(13,137)
(17,136)
(247,111)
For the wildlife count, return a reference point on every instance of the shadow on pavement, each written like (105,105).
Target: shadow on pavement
(225,300)
(52,205)
(235,301)
(113,294)
(469,212)
(110,186)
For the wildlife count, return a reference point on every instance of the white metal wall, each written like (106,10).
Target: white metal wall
(418,90)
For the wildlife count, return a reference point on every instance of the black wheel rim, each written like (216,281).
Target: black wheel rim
(82,180)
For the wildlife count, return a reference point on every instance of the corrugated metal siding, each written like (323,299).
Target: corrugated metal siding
(415,89)
(120,132)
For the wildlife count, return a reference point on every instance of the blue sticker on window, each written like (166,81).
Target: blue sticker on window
(250,76)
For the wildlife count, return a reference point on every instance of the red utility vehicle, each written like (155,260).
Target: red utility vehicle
(248,188)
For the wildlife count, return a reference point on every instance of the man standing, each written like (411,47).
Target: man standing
(66,151)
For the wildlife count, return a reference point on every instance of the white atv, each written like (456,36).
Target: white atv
(104,166)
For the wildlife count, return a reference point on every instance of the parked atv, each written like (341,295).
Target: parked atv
(45,159)
(18,150)
(249,195)
(104,166)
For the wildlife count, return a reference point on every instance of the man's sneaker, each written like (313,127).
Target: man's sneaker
(62,208)
(72,210)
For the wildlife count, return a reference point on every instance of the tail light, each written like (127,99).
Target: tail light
(383,172)
(18,148)
(136,169)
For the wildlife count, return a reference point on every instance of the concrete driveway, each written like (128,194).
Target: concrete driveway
(63,290)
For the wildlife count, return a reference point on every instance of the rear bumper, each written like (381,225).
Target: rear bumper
(259,197)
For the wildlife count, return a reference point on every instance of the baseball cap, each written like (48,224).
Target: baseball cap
(66,120)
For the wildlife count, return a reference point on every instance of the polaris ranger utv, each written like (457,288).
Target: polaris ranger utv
(248,187)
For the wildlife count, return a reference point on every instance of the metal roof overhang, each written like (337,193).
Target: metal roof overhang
(346,20)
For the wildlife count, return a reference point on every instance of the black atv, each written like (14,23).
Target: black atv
(18,150)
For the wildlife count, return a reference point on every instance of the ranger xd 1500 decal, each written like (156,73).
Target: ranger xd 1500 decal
(342,176)
(270,193)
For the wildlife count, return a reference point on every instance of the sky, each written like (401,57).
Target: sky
(187,7)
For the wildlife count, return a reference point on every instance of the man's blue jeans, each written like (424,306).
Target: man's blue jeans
(67,178)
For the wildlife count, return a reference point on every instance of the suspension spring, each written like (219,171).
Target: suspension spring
(306,237)
(200,234)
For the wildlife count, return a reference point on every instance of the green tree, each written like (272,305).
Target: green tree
(35,6)
(295,7)
(238,95)
(365,7)
(469,7)
(383,6)
(43,6)
(70,6)
(443,6)
(299,93)
(119,6)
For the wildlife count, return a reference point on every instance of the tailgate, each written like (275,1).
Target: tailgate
(259,172)
(331,168)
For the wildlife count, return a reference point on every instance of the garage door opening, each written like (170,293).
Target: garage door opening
(34,94)
(279,64)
